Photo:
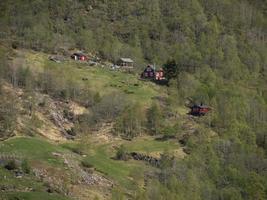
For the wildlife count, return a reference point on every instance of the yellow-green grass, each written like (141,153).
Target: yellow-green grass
(31,149)
(8,180)
(119,171)
(21,187)
(101,157)
(150,145)
(33,196)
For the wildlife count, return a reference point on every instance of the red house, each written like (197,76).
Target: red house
(159,75)
(79,56)
(154,75)
(199,110)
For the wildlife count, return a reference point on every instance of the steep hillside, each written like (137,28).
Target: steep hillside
(85,130)
(70,131)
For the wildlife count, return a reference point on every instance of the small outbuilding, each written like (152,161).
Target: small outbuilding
(57,58)
(126,63)
(79,56)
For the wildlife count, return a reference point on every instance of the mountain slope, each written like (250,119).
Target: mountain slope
(92,132)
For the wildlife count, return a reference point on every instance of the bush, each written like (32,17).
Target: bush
(71,131)
(122,153)
(11,165)
(25,166)
(171,131)
(15,44)
(77,150)
(86,164)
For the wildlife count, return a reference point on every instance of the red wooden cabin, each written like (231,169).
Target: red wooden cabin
(79,56)
(199,110)
(159,75)
(154,75)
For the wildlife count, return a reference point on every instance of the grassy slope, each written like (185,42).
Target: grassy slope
(102,80)
(33,196)
(149,145)
(100,156)
(32,149)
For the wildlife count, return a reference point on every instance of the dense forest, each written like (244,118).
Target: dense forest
(213,51)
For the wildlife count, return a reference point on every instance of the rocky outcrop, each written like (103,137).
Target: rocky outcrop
(149,159)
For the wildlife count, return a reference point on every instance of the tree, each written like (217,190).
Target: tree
(121,153)
(8,113)
(154,119)
(170,69)
(255,187)
(108,108)
(130,123)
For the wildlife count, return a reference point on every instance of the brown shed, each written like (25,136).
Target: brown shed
(126,63)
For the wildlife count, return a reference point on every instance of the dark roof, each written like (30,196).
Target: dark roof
(199,106)
(79,54)
(149,69)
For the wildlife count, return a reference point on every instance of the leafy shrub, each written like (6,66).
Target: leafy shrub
(77,150)
(25,166)
(86,164)
(71,131)
(11,165)
(122,153)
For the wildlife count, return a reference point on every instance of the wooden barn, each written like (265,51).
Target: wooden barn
(79,56)
(125,63)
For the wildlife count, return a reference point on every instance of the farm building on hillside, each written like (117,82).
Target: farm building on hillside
(126,63)
(159,75)
(149,73)
(79,56)
(199,110)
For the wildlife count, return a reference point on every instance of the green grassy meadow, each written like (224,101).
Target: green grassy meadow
(98,79)
(33,196)
(32,149)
